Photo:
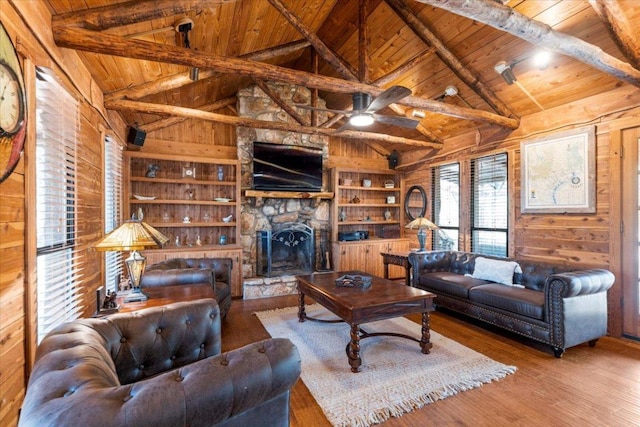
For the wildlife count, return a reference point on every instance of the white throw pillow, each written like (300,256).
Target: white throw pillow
(495,270)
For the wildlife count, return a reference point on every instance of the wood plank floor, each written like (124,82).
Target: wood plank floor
(587,387)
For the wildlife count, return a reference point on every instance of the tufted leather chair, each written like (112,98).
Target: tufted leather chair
(188,271)
(158,367)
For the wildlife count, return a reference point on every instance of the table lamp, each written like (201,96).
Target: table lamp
(422,224)
(133,235)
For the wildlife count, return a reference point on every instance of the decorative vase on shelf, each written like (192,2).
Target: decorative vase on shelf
(220,173)
(387,214)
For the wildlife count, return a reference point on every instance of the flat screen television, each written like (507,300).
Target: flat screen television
(283,167)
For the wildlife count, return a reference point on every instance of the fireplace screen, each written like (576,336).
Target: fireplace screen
(288,250)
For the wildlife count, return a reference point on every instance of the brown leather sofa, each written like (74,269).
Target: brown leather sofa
(187,271)
(157,367)
(549,303)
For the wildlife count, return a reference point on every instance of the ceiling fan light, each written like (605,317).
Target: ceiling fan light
(361,119)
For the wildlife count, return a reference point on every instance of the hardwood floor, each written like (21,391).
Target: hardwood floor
(587,387)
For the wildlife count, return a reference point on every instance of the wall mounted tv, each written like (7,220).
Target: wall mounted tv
(283,167)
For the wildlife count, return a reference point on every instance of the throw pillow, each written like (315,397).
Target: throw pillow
(495,270)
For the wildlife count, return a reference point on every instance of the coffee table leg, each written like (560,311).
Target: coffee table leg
(425,344)
(301,313)
(354,349)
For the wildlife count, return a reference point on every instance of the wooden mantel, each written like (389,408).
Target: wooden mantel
(288,194)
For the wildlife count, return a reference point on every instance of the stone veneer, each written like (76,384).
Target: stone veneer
(262,213)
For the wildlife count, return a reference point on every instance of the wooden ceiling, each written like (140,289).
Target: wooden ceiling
(139,60)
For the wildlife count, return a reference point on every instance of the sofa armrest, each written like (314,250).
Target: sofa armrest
(221,270)
(576,283)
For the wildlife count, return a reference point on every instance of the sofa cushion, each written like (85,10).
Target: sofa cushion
(525,302)
(494,270)
(449,283)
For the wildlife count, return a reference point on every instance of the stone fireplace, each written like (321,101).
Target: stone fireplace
(289,250)
(267,214)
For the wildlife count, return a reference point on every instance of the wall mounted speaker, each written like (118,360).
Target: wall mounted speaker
(136,136)
(393,159)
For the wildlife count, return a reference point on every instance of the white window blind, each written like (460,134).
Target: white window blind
(57,126)
(446,206)
(113,160)
(490,205)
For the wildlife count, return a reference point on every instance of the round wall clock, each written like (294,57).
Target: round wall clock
(13,117)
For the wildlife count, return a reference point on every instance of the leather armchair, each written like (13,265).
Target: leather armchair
(188,271)
(160,366)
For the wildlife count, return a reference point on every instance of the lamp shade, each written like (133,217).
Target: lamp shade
(132,235)
(422,223)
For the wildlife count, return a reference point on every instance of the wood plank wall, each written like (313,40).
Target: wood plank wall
(28,25)
(580,240)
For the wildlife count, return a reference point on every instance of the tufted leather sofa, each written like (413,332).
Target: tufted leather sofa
(554,306)
(156,367)
(188,271)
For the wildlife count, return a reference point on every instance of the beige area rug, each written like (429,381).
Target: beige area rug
(396,377)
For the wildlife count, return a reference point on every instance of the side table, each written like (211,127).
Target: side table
(397,258)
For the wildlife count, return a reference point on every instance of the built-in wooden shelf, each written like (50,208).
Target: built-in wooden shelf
(288,194)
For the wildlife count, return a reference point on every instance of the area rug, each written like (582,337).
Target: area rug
(396,377)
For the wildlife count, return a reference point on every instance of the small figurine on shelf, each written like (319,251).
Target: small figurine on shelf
(186,219)
(191,192)
(355,199)
(198,241)
(178,241)
(342,216)
(151,171)
(387,214)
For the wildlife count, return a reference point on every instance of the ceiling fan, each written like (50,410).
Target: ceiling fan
(364,109)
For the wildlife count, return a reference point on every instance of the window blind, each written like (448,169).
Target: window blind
(490,207)
(113,161)
(57,126)
(446,206)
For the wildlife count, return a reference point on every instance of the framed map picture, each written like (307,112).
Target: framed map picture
(559,173)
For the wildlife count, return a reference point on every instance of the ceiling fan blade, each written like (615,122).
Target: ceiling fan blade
(404,122)
(345,126)
(389,96)
(309,107)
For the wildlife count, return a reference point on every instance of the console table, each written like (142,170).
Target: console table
(397,258)
(162,295)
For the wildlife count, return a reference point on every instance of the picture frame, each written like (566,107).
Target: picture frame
(189,172)
(558,173)
(391,200)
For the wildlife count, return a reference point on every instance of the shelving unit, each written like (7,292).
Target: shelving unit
(185,190)
(185,208)
(374,208)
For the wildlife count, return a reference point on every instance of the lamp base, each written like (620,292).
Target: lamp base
(135,295)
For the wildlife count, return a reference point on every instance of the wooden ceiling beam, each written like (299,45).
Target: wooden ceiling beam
(181,79)
(443,52)
(363,42)
(404,68)
(170,121)
(90,41)
(170,110)
(539,34)
(323,50)
(121,14)
(340,65)
(625,37)
(281,102)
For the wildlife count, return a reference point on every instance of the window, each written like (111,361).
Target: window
(446,206)
(112,208)
(57,125)
(490,208)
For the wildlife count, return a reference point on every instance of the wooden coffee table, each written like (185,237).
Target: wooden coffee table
(383,300)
